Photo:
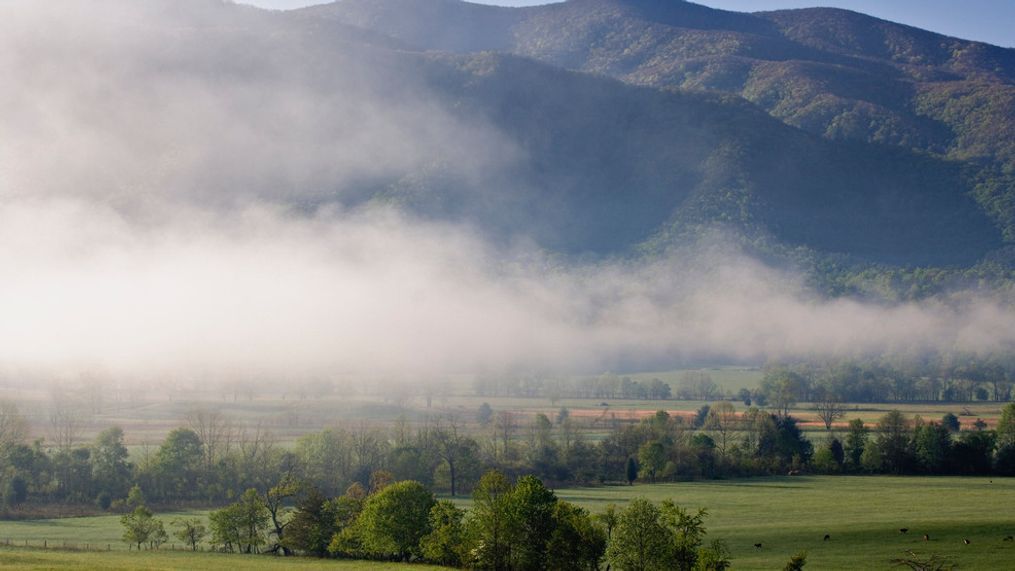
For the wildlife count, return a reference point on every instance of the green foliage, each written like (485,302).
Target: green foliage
(241,526)
(444,544)
(111,472)
(894,443)
(140,527)
(932,443)
(15,492)
(631,470)
(640,541)
(395,519)
(715,557)
(1006,426)
(652,458)
(178,464)
(531,507)
(490,526)
(797,562)
(577,542)
(191,531)
(312,525)
(485,414)
(135,498)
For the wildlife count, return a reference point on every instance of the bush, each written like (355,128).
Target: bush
(16,492)
(104,500)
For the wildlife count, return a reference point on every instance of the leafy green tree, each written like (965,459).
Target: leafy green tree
(347,540)
(609,520)
(16,492)
(490,524)
(313,524)
(1004,460)
(241,526)
(715,557)
(631,471)
(110,470)
(894,442)
(443,545)
(687,533)
(973,453)
(783,388)
(1006,426)
(951,422)
(135,497)
(781,443)
(577,542)
(395,519)
(856,442)
(531,505)
(640,541)
(191,531)
(932,443)
(140,527)
(652,458)
(158,535)
(178,464)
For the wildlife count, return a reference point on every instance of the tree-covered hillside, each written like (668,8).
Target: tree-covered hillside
(834,73)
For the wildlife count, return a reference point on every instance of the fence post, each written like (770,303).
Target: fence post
(44,543)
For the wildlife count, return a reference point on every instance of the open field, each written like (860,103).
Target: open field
(862,514)
(287,414)
(786,515)
(18,558)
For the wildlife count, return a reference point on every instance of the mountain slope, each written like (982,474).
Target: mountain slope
(219,106)
(834,73)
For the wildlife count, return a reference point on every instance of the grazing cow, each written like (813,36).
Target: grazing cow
(966,541)
(926,537)
(757,546)
(903,530)
(827,537)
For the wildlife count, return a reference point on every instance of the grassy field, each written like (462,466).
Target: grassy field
(19,558)
(862,515)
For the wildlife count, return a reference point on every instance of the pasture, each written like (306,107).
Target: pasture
(18,558)
(861,514)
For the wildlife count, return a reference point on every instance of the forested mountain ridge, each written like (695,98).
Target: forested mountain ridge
(341,105)
(831,72)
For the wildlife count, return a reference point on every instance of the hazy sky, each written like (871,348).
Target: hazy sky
(990,21)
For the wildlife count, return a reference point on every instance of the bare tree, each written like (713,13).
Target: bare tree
(65,422)
(13,426)
(829,410)
(216,432)
(722,419)
(505,425)
(448,440)
(256,449)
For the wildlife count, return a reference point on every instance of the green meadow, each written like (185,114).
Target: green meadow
(861,514)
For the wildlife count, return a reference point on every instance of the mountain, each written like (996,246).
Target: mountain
(543,125)
(834,73)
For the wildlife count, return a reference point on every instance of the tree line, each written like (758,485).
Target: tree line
(208,462)
(511,525)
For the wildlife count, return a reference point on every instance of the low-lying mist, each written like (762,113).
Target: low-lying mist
(172,182)
(264,291)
